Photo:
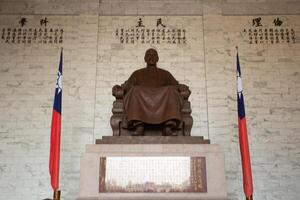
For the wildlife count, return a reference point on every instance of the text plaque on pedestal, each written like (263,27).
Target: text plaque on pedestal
(156,174)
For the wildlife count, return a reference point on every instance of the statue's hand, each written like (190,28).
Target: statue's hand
(118,91)
(184,91)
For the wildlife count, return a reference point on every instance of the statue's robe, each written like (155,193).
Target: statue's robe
(152,97)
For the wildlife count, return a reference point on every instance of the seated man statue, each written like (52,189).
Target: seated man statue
(152,96)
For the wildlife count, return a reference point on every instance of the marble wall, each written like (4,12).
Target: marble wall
(95,60)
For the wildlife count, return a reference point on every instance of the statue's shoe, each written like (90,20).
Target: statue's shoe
(139,131)
(168,131)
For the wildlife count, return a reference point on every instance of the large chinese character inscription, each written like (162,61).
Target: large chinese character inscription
(26,33)
(159,34)
(264,32)
(152,174)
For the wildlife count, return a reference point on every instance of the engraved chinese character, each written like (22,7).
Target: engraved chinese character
(256,22)
(122,39)
(140,23)
(44,21)
(23,21)
(159,23)
(277,22)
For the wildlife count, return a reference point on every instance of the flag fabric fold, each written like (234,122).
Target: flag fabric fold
(243,136)
(56,130)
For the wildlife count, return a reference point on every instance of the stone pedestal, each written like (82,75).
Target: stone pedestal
(156,147)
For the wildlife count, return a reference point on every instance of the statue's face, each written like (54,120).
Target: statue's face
(151,57)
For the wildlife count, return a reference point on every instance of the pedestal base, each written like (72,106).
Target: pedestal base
(91,168)
(151,197)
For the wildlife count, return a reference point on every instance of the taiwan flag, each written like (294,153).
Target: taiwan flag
(243,136)
(55,130)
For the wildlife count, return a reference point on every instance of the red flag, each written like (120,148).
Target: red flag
(55,130)
(243,137)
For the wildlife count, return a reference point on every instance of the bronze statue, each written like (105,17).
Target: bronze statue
(151,97)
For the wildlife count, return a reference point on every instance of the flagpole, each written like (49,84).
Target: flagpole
(249,198)
(56,195)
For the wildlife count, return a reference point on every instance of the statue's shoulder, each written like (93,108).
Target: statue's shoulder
(140,70)
(164,71)
(136,72)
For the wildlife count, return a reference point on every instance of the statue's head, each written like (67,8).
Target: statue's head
(151,57)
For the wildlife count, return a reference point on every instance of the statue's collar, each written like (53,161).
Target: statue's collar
(151,66)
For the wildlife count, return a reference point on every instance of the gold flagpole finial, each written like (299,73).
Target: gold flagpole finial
(56,195)
(236,47)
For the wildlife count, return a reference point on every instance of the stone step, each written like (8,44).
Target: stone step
(152,140)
